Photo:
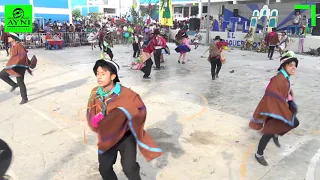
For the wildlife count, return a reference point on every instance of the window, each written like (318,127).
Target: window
(204,9)
(194,11)
(177,10)
(109,10)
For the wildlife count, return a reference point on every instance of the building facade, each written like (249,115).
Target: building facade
(44,9)
(192,8)
(236,8)
(108,7)
(285,8)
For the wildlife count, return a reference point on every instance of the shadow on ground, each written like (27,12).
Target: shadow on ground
(61,88)
(167,141)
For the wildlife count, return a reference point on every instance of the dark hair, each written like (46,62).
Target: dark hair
(104,65)
(156,31)
(274,29)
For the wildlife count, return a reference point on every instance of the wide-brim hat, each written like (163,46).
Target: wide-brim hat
(217,38)
(114,67)
(289,56)
(284,32)
(14,36)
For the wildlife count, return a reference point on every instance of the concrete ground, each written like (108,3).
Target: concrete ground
(202,125)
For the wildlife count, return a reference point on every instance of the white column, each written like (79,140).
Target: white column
(190,11)
(138,6)
(208,22)
(234,2)
(31,2)
(101,8)
(200,9)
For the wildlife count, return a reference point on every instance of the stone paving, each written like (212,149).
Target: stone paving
(202,125)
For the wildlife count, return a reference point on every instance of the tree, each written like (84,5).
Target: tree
(137,19)
(76,13)
(149,10)
(95,17)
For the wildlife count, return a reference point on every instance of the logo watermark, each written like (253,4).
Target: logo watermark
(313,12)
(18,18)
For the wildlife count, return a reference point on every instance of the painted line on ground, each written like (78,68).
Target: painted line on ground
(204,109)
(60,127)
(286,152)
(53,112)
(243,165)
(312,166)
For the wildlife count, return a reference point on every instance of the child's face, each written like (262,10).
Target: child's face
(291,68)
(104,77)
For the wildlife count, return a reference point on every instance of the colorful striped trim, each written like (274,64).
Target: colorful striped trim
(282,118)
(16,65)
(258,121)
(108,138)
(275,95)
(135,135)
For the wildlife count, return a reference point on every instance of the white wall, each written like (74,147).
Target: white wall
(237,37)
(215,10)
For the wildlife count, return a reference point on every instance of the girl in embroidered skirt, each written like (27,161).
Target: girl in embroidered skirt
(283,43)
(276,113)
(92,39)
(196,39)
(183,45)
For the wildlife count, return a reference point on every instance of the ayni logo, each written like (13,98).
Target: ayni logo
(18,18)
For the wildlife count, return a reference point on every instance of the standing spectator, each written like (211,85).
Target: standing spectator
(304,23)
(4,38)
(296,20)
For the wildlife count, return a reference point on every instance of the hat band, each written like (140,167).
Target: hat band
(284,60)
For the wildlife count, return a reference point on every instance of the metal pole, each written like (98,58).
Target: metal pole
(208,21)
(266,20)
(120,7)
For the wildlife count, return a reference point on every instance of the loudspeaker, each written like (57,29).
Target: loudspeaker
(316,29)
(222,9)
(194,24)
(317,8)
(236,13)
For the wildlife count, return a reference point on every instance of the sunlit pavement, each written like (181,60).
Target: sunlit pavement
(201,125)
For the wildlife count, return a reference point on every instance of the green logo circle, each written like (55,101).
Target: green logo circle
(18,13)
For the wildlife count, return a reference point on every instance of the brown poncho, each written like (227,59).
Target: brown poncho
(273,115)
(18,58)
(128,113)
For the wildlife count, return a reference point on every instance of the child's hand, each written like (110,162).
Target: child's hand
(96,120)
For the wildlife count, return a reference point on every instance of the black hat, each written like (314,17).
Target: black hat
(112,66)
(217,38)
(13,36)
(288,58)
